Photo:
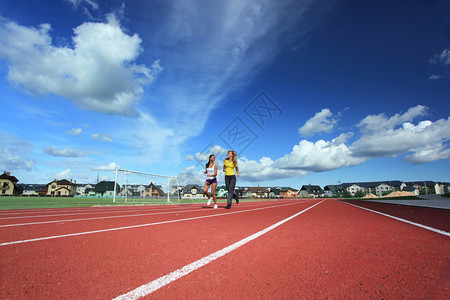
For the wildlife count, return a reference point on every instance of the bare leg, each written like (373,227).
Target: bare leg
(205,190)
(213,192)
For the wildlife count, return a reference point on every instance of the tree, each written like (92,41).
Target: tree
(360,194)
(346,194)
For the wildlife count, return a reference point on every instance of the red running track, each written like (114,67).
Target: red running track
(327,249)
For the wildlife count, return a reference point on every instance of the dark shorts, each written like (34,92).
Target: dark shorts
(211,180)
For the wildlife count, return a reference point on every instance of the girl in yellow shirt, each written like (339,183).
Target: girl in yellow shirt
(229,165)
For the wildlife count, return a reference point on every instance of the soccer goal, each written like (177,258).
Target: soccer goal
(140,187)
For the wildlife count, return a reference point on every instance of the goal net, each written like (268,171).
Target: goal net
(140,187)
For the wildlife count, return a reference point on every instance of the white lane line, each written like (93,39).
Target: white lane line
(106,210)
(156,284)
(108,217)
(93,208)
(72,214)
(403,220)
(155,212)
(137,226)
(100,218)
(29,213)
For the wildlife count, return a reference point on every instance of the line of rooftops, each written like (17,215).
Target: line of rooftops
(9,186)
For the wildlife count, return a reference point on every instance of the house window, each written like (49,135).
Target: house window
(6,184)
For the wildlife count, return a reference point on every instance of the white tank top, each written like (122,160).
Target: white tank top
(210,172)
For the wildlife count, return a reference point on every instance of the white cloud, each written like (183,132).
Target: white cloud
(75,131)
(191,175)
(10,161)
(101,137)
(15,154)
(98,73)
(319,156)
(435,77)
(428,154)
(201,156)
(342,138)
(64,174)
(77,3)
(375,123)
(66,152)
(321,122)
(381,136)
(217,150)
(304,158)
(188,157)
(442,59)
(426,141)
(265,169)
(110,167)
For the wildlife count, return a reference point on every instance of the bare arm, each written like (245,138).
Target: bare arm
(215,170)
(237,171)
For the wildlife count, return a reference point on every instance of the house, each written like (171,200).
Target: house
(247,194)
(85,189)
(288,192)
(333,190)
(192,191)
(153,191)
(132,190)
(274,192)
(221,192)
(311,191)
(8,184)
(106,189)
(61,188)
(373,187)
(425,187)
(240,191)
(30,189)
(382,189)
(257,192)
(353,188)
(42,192)
(412,189)
(442,187)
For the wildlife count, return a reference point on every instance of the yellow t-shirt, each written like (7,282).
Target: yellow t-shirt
(229,167)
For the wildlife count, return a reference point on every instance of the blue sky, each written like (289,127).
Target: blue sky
(307,92)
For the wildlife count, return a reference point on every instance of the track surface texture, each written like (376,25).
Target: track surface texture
(286,249)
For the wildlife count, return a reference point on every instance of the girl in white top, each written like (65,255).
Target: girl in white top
(211,173)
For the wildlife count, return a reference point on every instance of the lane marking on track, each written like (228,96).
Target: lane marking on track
(141,225)
(113,208)
(106,210)
(156,284)
(71,214)
(403,220)
(100,218)
(73,209)
(108,217)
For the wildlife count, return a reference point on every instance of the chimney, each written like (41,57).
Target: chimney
(7,173)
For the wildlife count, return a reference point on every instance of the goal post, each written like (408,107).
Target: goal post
(142,187)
